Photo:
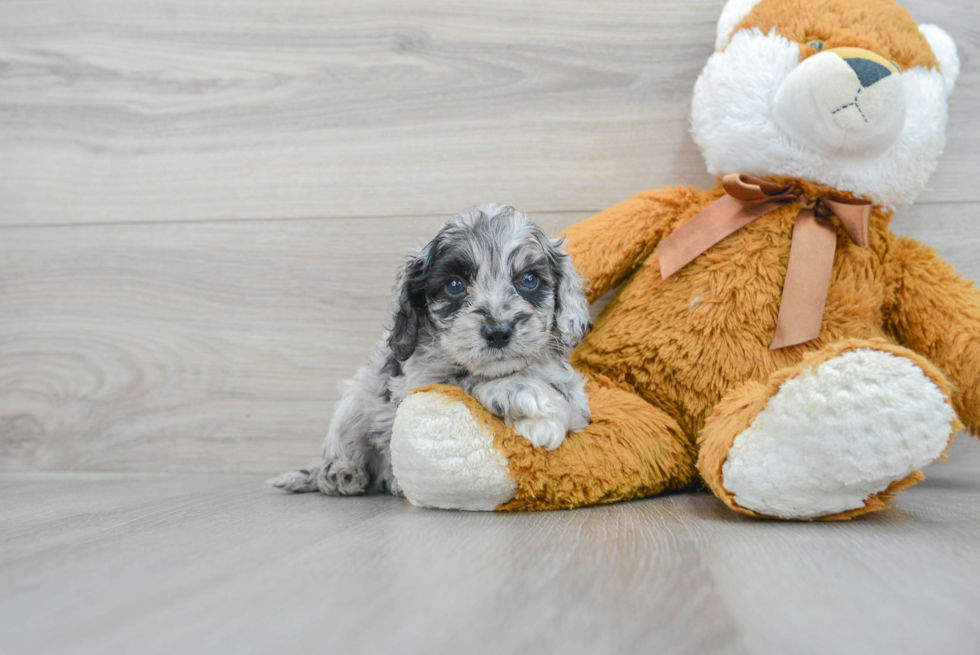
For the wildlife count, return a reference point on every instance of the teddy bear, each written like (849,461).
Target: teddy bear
(769,338)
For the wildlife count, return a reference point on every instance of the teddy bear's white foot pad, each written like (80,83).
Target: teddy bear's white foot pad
(836,434)
(444,458)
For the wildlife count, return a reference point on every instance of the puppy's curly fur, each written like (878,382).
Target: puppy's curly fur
(491,305)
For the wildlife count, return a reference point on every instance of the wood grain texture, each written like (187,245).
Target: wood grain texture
(120,563)
(202,206)
(219,345)
(163,110)
(137,336)
(184,347)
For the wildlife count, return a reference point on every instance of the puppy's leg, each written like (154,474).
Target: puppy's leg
(541,417)
(298,482)
(334,478)
(555,406)
(385,476)
(344,466)
(571,385)
(347,452)
(543,403)
(335,475)
(538,411)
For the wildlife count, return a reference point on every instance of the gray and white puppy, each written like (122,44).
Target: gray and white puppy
(491,305)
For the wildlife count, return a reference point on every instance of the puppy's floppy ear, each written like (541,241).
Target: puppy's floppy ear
(409,304)
(572,320)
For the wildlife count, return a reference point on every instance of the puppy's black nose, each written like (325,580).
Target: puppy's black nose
(497,336)
(868,71)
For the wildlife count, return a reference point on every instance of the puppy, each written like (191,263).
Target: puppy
(491,305)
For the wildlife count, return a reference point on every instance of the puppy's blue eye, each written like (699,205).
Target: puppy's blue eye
(816,44)
(529,281)
(455,287)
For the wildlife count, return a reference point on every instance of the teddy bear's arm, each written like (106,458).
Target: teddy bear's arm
(608,246)
(936,313)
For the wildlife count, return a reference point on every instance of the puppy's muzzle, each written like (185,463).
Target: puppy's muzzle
(497,336)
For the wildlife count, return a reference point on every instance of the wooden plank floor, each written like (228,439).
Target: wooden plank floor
(109,563)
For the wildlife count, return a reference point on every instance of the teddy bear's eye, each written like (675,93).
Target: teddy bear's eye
(816,44)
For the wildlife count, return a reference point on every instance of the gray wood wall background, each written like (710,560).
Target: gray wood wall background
(202,203)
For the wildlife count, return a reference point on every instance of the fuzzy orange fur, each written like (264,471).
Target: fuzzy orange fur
(686,343)
(680,367)
(934,311)
(880,26)
(631,449)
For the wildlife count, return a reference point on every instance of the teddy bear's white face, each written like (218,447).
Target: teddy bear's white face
(846,116)
(844,102)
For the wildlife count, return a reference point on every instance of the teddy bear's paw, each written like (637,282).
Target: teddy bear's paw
(836,434)
(547,432)
(443,457)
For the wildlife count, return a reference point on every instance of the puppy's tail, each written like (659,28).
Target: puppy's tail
(297,482)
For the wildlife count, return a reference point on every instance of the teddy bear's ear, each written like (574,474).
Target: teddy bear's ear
(732,15)
(945,50)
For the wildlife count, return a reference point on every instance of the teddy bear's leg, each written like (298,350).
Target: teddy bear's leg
(831,438)
(449,452)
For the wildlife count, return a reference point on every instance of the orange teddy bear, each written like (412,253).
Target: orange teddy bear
(772,338)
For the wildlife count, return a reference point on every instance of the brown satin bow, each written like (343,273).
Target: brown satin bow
(811,255)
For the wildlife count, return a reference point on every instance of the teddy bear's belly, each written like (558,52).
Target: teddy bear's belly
(682,343)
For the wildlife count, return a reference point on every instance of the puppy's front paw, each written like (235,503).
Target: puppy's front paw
(343,479)
(542,432)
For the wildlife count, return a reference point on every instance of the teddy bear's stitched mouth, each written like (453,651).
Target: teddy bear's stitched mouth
(837,107)
(853,103)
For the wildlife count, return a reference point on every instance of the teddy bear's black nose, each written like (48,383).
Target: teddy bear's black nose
(868,71)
